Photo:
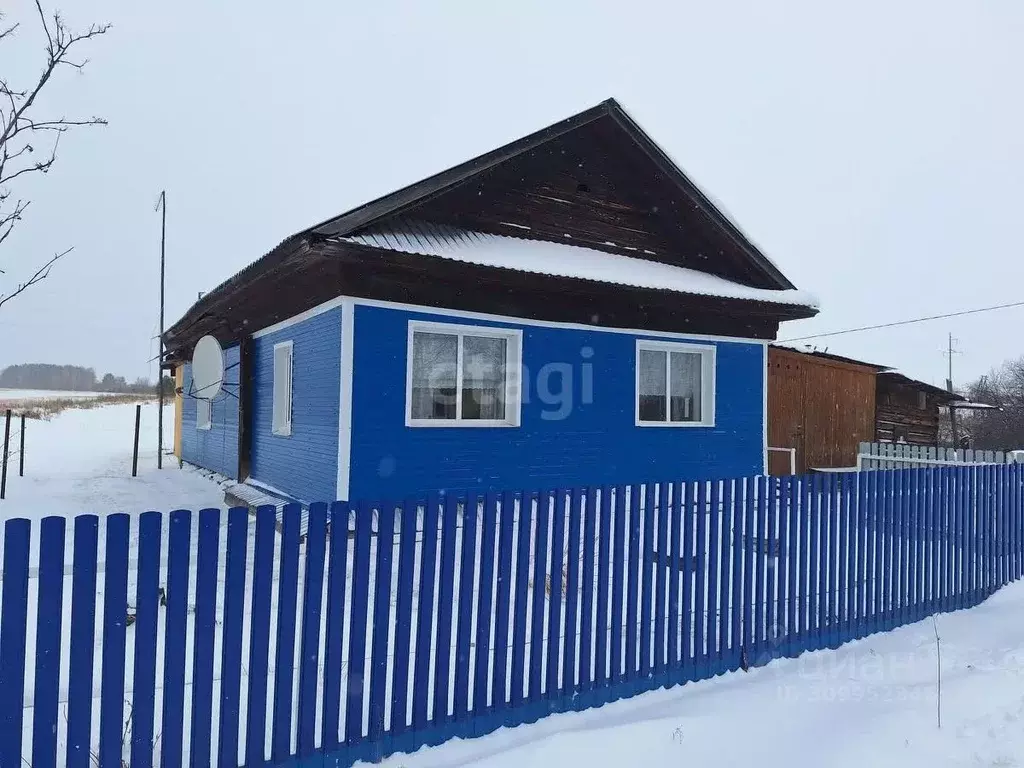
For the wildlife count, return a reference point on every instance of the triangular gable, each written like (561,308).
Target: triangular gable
(595,179)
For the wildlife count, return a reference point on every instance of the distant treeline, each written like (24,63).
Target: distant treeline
(71,378)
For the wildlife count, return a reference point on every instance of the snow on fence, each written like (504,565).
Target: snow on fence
(903,456)
(230,639)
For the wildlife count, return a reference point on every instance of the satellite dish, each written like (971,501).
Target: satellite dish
(207,368)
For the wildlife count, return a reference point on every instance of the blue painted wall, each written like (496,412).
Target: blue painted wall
(215,448)
(304,464)
(594,443)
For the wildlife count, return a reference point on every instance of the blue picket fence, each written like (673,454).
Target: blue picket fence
(359,630)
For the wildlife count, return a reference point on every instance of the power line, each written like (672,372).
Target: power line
(908,322)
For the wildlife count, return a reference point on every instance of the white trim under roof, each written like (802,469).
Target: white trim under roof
(564,260)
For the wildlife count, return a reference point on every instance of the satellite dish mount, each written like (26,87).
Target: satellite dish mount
(208,370)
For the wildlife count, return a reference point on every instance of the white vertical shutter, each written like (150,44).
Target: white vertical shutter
(282,423)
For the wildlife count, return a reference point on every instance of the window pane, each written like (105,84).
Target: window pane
(434,365)
(483,377)
(652,389)
(686,386)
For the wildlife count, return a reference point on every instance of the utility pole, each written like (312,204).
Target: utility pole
(161,204)
(949,388)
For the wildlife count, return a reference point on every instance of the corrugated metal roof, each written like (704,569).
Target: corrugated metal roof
(561,260)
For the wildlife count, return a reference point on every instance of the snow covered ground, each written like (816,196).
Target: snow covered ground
(81,463)
(871,703)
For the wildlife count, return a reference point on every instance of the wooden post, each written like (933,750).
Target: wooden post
(7,445)
(135,451)
(21,453)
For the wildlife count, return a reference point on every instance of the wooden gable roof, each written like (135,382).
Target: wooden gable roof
(594,179)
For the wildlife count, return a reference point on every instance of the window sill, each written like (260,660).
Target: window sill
(281,432)
(456,424)
(683,424)
(204,429)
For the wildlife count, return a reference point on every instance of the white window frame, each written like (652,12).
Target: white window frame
(283,430)
(708,366)
(513,370)
(202,403)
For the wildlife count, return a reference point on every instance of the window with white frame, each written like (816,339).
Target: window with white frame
(675,384)
(204,418)
(462,375)
(282,416)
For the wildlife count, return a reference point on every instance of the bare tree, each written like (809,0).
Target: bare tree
(22,130)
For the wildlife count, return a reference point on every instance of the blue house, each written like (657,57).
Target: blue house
(569,309)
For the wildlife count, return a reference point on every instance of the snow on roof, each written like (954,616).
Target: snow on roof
(563,260)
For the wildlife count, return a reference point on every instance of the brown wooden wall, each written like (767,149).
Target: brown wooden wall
(821,407)
(907,415)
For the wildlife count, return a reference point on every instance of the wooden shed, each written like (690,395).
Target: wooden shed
(822,405)
(907,411)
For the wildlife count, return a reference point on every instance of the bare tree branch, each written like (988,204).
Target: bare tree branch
(41,274)
(18,124)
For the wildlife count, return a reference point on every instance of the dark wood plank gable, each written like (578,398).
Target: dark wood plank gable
(592,187)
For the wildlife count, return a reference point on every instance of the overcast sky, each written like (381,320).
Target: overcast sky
(875,153)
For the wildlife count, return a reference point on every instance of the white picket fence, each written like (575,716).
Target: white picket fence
(903,456)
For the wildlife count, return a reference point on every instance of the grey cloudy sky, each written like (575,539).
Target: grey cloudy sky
(876,152)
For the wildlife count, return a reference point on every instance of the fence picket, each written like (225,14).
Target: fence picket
(660,564)
(847,554)
(792,566)
(872,564)
(734,514)
(555,589)
(464,632)
(284,658)
(445,612)
(635,563)
(700,609)
(381,621)
(207,554)
(602,660)
(690,651)
(542,525)
(714,612)
(618,625)
(403,621)
(82,651)
(179,541)
(649,512)
(484,611)
(814,559)
(361,565)
(48,636)
(147,597)
(588,506)
(674,570)
(520,671)
(309,646)
(231,636)
(337,576)
(749,546)
(421,692)
(115,599)
(17,539)
(503,602)
(571,602)
(763,548)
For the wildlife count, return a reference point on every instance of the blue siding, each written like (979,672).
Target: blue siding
(596,442)
(215,448)
(304,464)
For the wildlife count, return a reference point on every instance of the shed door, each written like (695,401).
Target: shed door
(786,428)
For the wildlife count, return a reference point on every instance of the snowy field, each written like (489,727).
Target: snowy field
(870,703)
(48,394)
(81,463)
